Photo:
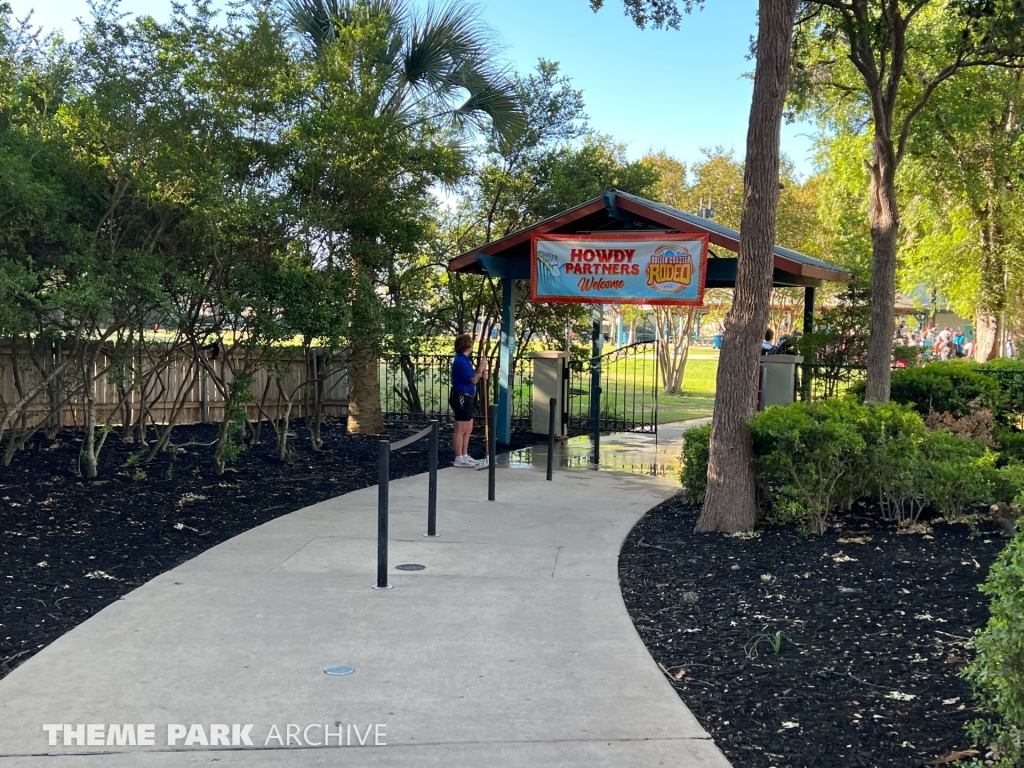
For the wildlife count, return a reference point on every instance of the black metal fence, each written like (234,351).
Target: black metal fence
(820,382)
(824,381)
(415,388)
(1012,383)
(629,389)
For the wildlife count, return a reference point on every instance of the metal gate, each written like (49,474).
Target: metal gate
(628,397)
(415,388)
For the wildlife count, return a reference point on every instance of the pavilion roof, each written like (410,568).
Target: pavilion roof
(617,211)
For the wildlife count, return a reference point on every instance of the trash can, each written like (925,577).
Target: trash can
(550,380)
(778,380)
(716,341)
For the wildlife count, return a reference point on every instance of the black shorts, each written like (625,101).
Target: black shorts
(462,405)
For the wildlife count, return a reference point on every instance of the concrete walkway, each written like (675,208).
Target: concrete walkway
(511,648)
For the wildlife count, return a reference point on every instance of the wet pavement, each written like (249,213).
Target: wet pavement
(632,452)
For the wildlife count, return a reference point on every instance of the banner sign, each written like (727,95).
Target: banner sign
(619,268)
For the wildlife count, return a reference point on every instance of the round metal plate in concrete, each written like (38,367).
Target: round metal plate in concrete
(410,567)
(376,586)
(339,669)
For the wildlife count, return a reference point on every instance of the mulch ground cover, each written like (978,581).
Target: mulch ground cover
(71,546)
(874,626)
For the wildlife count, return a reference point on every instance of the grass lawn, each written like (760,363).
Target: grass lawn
(698,396)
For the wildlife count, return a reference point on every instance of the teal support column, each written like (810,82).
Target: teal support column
(506,356)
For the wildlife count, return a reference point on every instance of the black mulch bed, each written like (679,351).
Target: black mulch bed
(869,617)
(73,546)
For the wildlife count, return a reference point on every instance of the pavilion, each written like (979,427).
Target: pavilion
(508,260)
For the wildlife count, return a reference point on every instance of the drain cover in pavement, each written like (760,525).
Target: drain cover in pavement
(410,567)
(340,669)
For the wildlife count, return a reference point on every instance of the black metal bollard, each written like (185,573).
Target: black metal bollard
(492,415)
(551,437)
(596,457)
(384,454)
(432,488)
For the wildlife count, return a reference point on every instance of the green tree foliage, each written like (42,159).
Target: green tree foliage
(392,93)
(879,63)
(656,13)
(964,204)
(143,184)
(556,163)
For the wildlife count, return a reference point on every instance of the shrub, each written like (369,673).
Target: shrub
(1011,444)
(811,457)
(694,473)
(955,473)
(1004,364)
(1008,484)
(976,426)
(812,460)
(893,436)
(997,672)
(953,387)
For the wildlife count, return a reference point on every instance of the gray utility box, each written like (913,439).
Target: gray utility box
(778,380)
(550,379)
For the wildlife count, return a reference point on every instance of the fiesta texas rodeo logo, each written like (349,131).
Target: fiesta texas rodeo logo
(670,269)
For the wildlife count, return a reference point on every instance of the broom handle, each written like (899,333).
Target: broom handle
(487,440)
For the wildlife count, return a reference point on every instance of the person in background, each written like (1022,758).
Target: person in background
(968,349)
(463,397)
(769,336)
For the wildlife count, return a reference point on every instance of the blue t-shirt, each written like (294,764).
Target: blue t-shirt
(462,374)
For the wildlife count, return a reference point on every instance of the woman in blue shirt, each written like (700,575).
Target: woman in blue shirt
(463,397)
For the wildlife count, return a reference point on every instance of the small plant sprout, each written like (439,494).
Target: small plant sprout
(773,641)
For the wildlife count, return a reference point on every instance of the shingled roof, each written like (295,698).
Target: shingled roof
(616,211)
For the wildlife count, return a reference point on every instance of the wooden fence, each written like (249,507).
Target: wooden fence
(181,382)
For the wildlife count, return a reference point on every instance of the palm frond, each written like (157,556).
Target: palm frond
(316,20)
(499,102)
(443,41)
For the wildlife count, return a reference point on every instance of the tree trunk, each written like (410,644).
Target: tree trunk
(992,296)
(885,225)
(364,413)
(675,353)
(89,396)
(987,332)
(730,502)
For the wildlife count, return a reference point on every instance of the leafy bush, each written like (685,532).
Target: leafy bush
(893,436)
(1004,364)
(1008,484)
(1011,444)
(953,387)
(812,460)
(694,473)
(997,672)
(812,457)
(955,473)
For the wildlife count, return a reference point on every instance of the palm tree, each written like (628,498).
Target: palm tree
(417,85)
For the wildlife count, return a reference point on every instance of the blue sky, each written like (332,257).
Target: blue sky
(677,91)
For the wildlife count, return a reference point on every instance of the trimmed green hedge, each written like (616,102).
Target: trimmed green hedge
(694,471)
(813,460)
(955,387)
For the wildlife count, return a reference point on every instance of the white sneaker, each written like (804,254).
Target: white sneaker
(460,461)
(471,462)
